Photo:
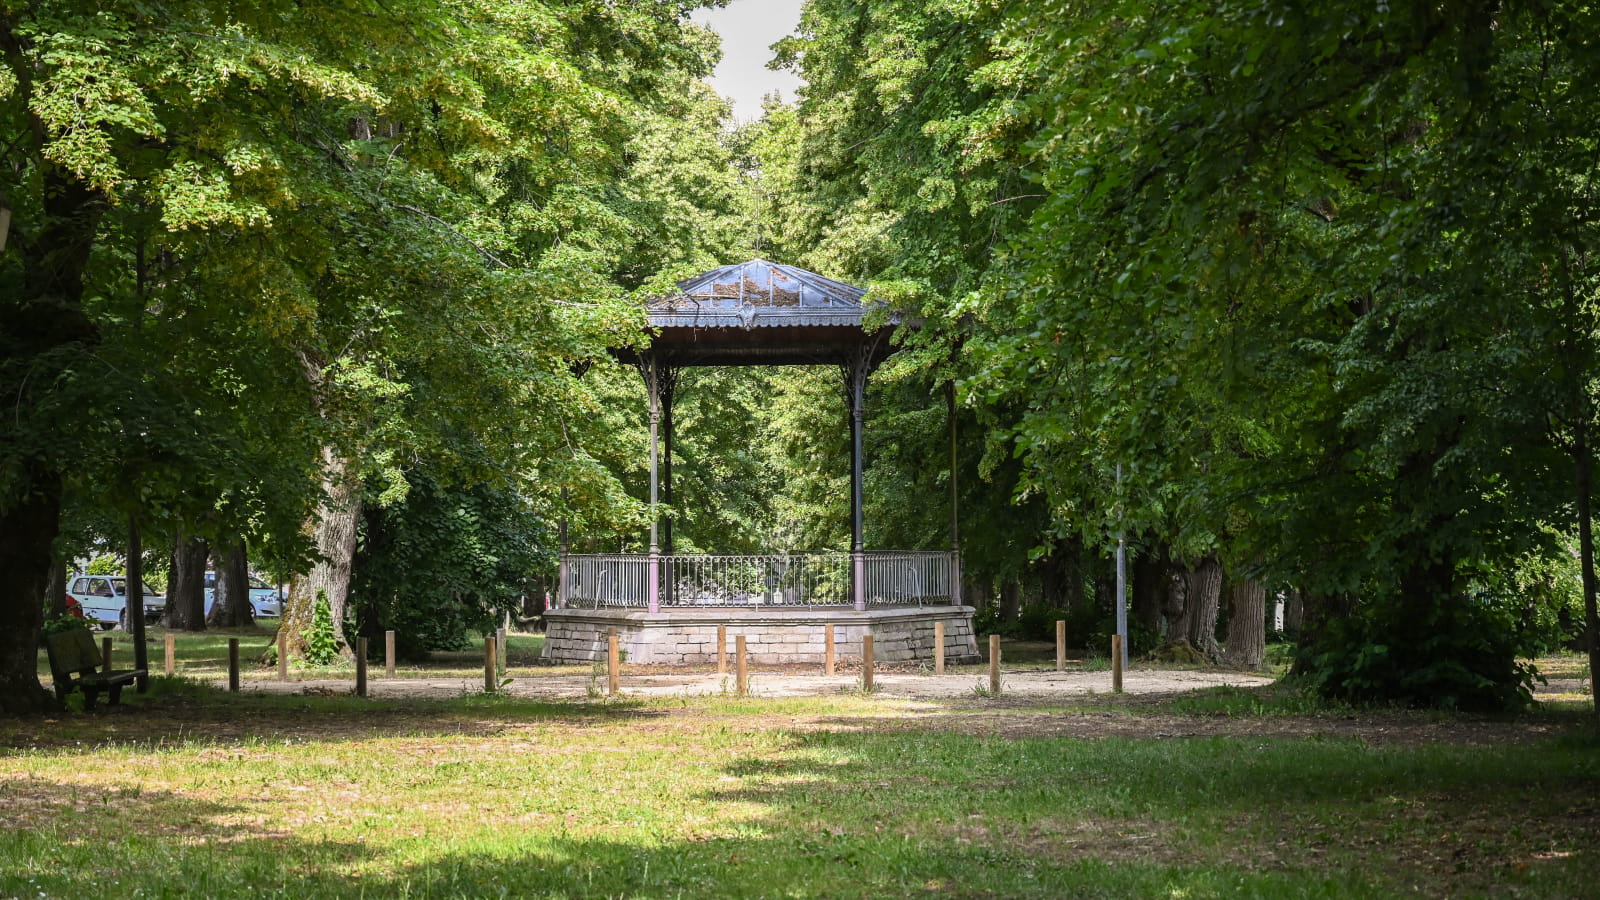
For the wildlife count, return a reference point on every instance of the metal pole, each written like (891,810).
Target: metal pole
(955,502)
(652,385)
(666,384)
(561,566)
(858,403)
(1122,575)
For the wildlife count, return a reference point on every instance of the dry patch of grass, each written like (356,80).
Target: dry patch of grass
(1225,794)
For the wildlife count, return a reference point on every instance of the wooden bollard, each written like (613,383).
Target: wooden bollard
(994,665)
(722,649)
(1061,645)
(500,642)
(827,650)
(172,654)
(1116,663)
(488,665)
(388,654)
(233,665)
(361,667)
(105,653)
(938,648)
(283,654)
(742,677)
(613,663)
(866,663)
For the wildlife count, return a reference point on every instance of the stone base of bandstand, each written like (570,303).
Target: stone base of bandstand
(773,635)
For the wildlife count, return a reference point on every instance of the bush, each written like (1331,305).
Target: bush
(1037,622)
(322,647)
(1463,657)
(1142,641)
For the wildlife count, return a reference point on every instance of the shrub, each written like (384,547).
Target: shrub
(1462,657)
(322,647)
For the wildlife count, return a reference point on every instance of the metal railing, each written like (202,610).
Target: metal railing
(785,579)
(606,580)
(595,581)
(907,579)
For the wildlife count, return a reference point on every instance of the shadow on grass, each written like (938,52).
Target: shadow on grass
(177,710)
(873,809)
(158,843)
(823,815)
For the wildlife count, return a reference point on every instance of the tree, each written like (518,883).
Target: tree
(230,598)
(338,221)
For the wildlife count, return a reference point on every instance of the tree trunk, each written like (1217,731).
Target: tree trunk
(27,528)
(1200,614)
(1010,601)
(1316,612)
(186,585)
(1174,602)
(230,603)
(1583,487)
(1105,588)
(55,592)
(1294,612)
(1149,587)
(1060,583)
(976,594)
(334,530)
(133,609)
(36,324)
(1247,624)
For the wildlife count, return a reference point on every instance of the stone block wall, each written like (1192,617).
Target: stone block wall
(772,636)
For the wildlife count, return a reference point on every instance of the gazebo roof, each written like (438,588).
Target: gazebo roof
(762,313)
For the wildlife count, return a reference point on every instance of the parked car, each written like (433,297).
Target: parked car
(264,597)
(104,601)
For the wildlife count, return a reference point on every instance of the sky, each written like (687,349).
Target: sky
(749,28)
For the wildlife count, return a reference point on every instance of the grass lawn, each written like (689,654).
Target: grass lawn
(189,791)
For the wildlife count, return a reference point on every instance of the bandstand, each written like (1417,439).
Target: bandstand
(667,607)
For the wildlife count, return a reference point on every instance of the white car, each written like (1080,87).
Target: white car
(103,599)
(264,597)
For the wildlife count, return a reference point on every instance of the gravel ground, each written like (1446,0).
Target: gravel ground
(1018,684)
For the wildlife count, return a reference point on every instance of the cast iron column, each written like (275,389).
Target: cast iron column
(667,384)
(561,566)
(652,380)
(858,409)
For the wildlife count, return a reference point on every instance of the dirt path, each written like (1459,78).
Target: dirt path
(1019,685)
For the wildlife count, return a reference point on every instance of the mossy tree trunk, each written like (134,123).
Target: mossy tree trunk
(334,530)
(230,605)
(186,585)
(1199,620)
(1247,624)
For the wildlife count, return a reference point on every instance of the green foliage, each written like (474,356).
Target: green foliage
(445,563)
(1463,657)
(1543,594)
(322,645)
(1316,284)
(104,564)
(60,623)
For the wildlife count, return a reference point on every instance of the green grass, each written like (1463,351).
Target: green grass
(188,791)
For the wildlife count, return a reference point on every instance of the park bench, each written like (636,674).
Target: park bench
(75,663)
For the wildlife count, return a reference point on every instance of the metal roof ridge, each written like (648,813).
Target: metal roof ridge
(833,291)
